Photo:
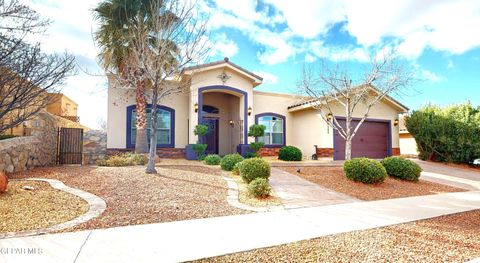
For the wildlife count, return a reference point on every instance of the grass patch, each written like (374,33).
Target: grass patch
(246,198)
(39,208)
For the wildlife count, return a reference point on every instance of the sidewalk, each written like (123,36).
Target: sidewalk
(195,239)
(297,192)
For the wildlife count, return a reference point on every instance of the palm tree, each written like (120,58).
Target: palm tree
(116,17)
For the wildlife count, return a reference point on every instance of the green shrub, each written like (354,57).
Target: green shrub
(6,136)
(402,168)
(125,159)
(365,170)
(212,159)
(249,155)
(259,188)
(199,149)
(290,153)
(200,130)
(253,168)
(256,146)
(256,130)
(450,134)
(235,169)
(229,161)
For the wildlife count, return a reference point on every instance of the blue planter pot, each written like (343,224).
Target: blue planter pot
(190,154)
(243,149)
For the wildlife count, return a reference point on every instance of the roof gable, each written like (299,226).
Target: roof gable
(257,80)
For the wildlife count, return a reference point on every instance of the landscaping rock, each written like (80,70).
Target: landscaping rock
(3,182)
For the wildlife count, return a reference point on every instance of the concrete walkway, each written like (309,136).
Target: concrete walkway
(297,192)
(450,175)
(195,239)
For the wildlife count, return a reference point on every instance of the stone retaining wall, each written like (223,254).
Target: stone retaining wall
(40,149)
(94,146)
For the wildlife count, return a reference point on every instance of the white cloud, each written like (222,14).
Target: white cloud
(310,58)
(223,46)
(450,64)
(430,76)
(268,78)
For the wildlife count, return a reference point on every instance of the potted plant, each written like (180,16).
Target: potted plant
(197,151)
(255,131)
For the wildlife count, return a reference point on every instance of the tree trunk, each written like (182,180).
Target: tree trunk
(348,149)
(141,145)
(153,135)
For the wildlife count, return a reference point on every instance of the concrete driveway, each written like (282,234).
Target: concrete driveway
(463,177)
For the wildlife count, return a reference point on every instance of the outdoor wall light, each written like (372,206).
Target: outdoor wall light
(195,106)
(395,122)
(249,111)
(231,123)
(329,116)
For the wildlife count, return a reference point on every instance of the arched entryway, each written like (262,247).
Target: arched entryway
(223,109)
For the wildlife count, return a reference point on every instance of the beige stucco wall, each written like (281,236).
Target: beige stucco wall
(276,103)
(118,101)
(408,145)
(310,128)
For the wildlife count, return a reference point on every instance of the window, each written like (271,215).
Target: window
(210,109)
(164,127)
(275,129)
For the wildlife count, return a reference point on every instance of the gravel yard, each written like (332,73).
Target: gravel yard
(41,207)
(334,178)
(452,238)
(133,197)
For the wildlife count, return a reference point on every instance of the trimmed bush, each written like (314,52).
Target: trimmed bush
(212,159)
(402,168)
(6,136)
(125,159)
(259,188)
(249,155)
(365,170)
(253,168)
(290,153)
(229,161)
(449,134)
(235,169)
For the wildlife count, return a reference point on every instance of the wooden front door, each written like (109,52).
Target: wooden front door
(211,139)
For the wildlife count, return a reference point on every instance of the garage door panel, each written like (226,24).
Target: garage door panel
(371,140)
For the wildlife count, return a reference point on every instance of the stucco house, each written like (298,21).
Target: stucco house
(222,95)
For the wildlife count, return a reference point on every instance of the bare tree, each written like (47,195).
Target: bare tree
(332,87)
(26,74)
(176,38)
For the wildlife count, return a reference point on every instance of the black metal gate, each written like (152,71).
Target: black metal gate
(70,146)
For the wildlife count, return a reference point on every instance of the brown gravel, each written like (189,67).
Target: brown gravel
(334,178)
(453,238)
(133,197)
(39,208)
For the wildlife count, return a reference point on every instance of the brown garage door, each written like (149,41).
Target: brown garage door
(372,140)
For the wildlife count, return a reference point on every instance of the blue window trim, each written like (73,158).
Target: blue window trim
(172,126)
(258,116)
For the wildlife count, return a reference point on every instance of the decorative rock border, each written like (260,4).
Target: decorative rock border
(233,198)
(96,207)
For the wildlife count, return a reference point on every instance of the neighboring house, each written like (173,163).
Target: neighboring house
(222,95)
(408,145)
(63,106)
(64,110)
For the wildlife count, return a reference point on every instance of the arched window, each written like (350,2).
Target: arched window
(207,109)
(165,126)
(275,129)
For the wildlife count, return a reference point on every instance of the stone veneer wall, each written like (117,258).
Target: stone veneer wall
(169,153)
(94,146)
(39,149)
(269,151)
(324,152)
(395,151)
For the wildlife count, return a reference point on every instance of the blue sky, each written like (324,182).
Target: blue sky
(438,39)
